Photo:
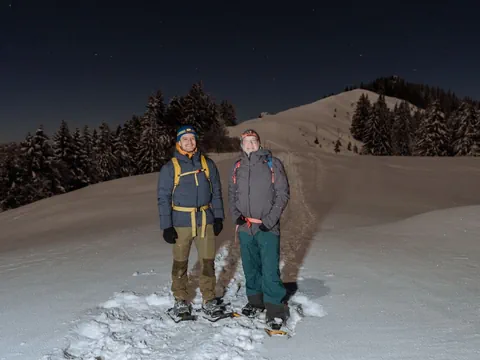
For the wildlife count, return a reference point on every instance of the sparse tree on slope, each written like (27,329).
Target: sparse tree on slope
(402,130)
(377,134)
(360,117)
(432,138)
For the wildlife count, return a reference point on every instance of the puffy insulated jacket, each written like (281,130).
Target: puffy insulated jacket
(253,195)
(187,193)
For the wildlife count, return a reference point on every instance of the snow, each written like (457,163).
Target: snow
(401,290)
(131,325)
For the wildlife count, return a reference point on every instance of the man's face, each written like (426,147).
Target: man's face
(250,144)
(188,142)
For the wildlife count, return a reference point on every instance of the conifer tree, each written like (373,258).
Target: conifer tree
(464,124)
(13,190)
(89,143)
(360,117)
(80,161)
(64,153)
(125,163)
(227,113)
(42,168)
(475,149)
(402,130)
(105,157)
(200,110)
(131,135)
(377,134)
(152,152)
(432,138)
(337,146)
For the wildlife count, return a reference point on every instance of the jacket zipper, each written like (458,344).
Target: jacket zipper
(196,201)
(249,208)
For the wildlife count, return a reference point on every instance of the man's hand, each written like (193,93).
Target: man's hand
(169,235)
(241,220)
(217,226)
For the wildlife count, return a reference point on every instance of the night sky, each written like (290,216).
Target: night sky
(93,61)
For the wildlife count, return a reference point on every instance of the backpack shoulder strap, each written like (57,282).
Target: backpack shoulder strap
(234,175)
(177,170)
(205,166)
(270,165)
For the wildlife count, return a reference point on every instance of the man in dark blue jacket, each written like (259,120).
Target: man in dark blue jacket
(190,205)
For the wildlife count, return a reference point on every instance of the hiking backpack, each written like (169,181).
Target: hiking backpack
(268,161)
(178,174)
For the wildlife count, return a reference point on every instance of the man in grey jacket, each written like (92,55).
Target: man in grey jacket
(258,192)
(190,205)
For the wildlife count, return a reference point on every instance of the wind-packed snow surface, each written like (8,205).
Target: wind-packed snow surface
(404,290)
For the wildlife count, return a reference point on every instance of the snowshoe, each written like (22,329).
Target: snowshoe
(181,311)
(251,311)
(224,315)
(215,310)
(274,328)
(180,317)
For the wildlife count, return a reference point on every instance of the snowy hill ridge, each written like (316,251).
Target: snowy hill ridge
(324,120)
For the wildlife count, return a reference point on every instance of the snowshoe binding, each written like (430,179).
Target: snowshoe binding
(215,310)
(181,311)
(274,328)
(251,311)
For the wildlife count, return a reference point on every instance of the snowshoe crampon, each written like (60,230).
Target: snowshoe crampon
(251,311)
(274,332)
(180,317)
(274,328)
(221,315)
(218,312)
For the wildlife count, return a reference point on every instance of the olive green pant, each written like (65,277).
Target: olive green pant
(206,256)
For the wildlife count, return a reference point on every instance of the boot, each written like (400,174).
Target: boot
(181,308)
(250,311)
(275,324)
(211,308)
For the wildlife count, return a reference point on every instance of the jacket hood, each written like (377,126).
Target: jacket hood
(260,154)
(184,157)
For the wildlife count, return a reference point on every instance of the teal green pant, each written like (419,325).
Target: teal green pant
(260,258)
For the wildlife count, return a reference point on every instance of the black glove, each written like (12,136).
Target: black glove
(263,227)
(169,235)
(217,226)
(241,220)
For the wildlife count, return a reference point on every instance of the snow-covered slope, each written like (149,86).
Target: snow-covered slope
(405,290)
(86,275)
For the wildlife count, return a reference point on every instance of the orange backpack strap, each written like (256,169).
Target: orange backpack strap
(234,175)
(237,165)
